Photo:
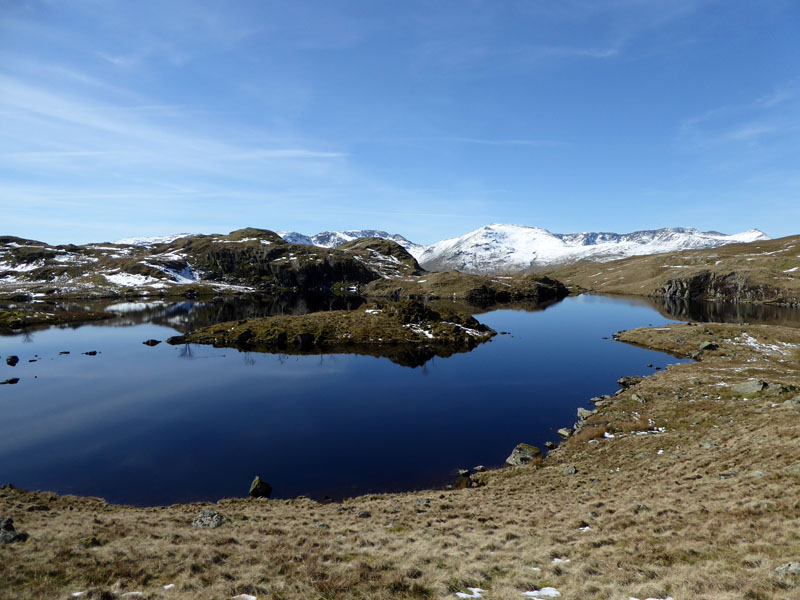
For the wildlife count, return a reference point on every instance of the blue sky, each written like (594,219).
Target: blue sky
(425,118)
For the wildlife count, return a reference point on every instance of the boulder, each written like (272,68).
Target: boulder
(753,386)
(571,470)
(523,454)
(12,360)
(564,432)
(8,534)
(708,345)
(260,488)
(549,445)
(584,413)
(209,519)
(176,340)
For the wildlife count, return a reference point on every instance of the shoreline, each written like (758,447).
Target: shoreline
(693,477)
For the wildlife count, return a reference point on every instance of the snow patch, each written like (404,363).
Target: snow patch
(545,592)
(473,593)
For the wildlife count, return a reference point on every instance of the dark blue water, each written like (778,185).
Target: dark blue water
(157,425)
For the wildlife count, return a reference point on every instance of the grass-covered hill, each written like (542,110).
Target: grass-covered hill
(765,271)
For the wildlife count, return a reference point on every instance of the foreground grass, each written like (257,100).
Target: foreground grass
(706,509)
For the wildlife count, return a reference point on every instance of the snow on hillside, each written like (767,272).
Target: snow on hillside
(151,241)
(512,248)
(332,239)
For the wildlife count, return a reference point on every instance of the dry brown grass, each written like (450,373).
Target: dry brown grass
(706,509)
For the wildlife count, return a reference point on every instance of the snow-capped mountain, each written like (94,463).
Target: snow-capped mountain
(500,248)
(331,239)
(151,241)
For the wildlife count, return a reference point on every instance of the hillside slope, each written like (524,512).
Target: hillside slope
(765,271)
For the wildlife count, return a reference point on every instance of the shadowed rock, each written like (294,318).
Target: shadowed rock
(209,519)
(523,454)
(260,488)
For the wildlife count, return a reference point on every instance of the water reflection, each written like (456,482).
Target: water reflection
(727,312)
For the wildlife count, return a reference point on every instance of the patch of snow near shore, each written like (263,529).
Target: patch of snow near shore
(545,592)
(748,340)
(792,270)
(667,598)
(420,330)
(244,597)
(128,279)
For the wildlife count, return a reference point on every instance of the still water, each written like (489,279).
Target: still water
(158,425)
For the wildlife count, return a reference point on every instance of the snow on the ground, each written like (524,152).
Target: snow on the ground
(21,268)
(748,340)
(545,592)
(792,270)
(131,280)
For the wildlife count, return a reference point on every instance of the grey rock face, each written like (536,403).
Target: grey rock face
(584,413)
(749,387)
(523,454)
(626,382)
(564,432)
(209,519)
(260,488)
(571,470)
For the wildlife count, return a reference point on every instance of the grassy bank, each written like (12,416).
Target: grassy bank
(694,496)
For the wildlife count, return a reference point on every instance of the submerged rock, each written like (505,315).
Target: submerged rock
(523,454)
(260,488)
(209,519)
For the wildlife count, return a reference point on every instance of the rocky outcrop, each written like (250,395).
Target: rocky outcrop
(523,454)
(729,287)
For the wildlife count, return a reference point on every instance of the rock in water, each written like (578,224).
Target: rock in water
(209,519)
(12,360)
(7,532)
(584,413)
(523,454)
(260,488)
(151,342)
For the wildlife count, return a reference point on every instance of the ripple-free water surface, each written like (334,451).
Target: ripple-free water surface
(157,425)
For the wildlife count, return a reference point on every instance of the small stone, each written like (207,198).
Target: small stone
(463,472)
(12,360)
(151,342)
(708,345)
(584,413)
(322,526)
(571,470)
(424,502)
(364,514)
(638,398)
(260,488)
(549,445)
(209,519)
(523,454)
(792,402)
(707,445)
(91,353)
(791,569)
(753,386)
(564,432)
(479,469)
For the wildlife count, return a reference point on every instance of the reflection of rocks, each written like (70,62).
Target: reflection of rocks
(11,381)
(151,342)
